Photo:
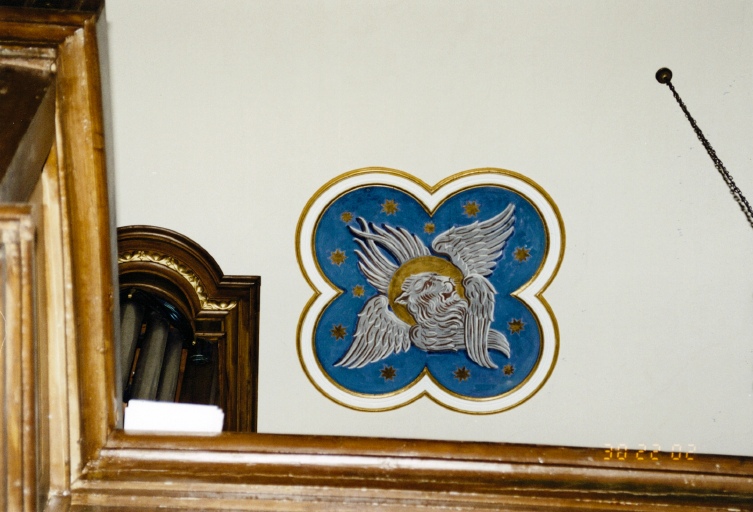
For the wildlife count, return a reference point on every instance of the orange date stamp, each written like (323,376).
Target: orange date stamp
(621,452)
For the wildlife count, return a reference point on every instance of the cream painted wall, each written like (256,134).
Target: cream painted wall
(238,111)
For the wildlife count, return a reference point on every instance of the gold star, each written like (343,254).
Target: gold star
(346,217)
(521,254)
(388,373)
(358,290)
(462,373)
(389,207)
(508,369)
(337,257)
(429,228)
(471,209)
(516,325)
(338,331)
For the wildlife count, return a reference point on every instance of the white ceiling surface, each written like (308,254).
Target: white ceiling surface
(234,113)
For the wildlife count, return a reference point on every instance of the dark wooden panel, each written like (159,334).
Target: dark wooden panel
(65,5)
(27,114)
(200,380)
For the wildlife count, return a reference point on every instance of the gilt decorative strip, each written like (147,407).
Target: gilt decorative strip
(188,274)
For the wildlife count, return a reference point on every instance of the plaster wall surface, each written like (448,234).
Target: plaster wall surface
(238,111)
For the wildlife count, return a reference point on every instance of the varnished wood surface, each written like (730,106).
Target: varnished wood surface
(18,442)
(39,28)
(337,471)
(82,162)
(55,364)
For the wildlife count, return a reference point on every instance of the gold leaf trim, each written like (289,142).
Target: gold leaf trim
(184,271)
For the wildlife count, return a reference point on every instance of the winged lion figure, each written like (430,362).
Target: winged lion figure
(436,303)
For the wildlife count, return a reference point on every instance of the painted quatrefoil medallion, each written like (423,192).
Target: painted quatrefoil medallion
(432,291)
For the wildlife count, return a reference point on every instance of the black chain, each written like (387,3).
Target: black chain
(664,76)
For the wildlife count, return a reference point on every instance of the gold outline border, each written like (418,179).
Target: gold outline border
(431,190)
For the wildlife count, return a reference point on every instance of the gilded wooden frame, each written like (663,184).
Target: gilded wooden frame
(84,462)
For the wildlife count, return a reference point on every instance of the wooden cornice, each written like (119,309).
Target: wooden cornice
(40,27)
(341,473)
(141,248)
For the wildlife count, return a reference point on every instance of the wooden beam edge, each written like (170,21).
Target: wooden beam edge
(82,163)
(231,464)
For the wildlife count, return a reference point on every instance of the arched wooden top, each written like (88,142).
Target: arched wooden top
(170,257)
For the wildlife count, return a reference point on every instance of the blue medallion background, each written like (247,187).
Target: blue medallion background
(331,234)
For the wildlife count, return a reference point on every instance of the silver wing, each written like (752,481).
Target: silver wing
(478,319)
(400,243)
(379,333)
(475,248)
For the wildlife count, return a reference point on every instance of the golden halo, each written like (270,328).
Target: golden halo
(416,266)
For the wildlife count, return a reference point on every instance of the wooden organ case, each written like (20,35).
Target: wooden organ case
(171,285)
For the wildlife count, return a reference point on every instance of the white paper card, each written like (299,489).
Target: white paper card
(146,415)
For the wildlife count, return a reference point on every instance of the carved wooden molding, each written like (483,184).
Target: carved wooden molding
(164,259)
(94,465)
(18,442)
(185,272)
